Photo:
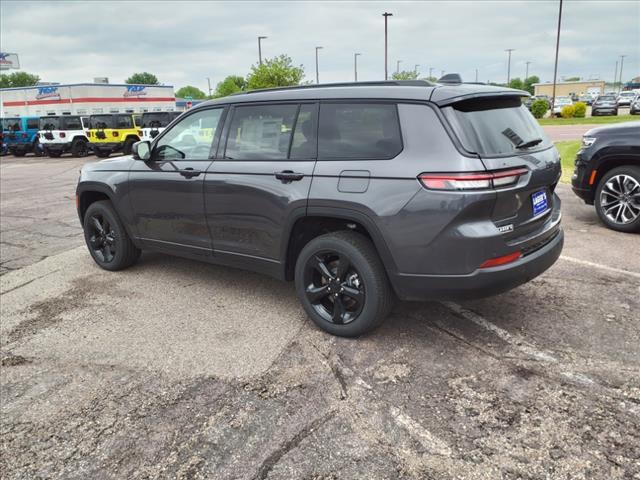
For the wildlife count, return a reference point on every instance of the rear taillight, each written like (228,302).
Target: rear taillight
(495,262)
(37,135)
(24,135)
(140,133)
(115,134)
(471,181)
(62,134)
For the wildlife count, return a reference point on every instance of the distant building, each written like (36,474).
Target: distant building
(85,99)
(634,84)
(183,104)
(564,89)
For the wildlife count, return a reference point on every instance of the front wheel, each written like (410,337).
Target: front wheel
(107,240)
(79,148)
(342,284)
(618,199)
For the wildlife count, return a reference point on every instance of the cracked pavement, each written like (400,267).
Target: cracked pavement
(177,369)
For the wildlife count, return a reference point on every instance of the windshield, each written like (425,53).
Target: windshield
(627,94)
(12,124)
(50,123)
(563,100)
(101,121)
(495,126)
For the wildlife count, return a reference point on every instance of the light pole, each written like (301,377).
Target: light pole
(260,48)
(615,76)
(355,66)
(621,65)
(317,73)
(476,75)
(555,67)
(209,84)
(398,66)
(386,16)
(430,72)
(526,74)
(509,50)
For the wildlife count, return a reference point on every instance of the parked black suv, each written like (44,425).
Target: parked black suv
(607,174)
(357,192)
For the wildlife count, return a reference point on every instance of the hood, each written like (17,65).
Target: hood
(618,128)
(111,164)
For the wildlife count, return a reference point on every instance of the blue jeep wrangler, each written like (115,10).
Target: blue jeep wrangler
(20,135)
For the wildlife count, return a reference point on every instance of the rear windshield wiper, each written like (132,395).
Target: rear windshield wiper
(529,144)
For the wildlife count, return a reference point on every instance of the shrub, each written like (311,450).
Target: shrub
(568,112)
(580,109)
(539,108)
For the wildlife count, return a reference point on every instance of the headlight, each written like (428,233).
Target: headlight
(588,141)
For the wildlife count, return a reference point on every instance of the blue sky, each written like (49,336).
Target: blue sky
(185,42)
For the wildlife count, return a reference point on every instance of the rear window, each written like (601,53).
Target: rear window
(495,126)
(101,121)
(50,123)
(610,98)
(72,123)
(156,119)
(358,130)
(12,124)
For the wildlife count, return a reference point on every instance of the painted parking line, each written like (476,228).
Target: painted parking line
(600,266)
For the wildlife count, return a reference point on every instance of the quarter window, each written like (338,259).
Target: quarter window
(191,138)
(358,130)
(124,121)
(260,132)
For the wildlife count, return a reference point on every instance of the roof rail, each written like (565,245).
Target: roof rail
(382,83)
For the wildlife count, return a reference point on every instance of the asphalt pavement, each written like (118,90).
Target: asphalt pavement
(177,369)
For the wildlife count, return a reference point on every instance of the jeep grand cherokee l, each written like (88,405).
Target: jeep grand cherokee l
(358,193)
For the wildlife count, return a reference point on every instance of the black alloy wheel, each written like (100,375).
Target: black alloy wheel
(102,238)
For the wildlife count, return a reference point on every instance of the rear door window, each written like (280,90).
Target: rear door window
(260,132)
(50,123)
(33,123)
(124,121)
(101,121)
(358,131)
(72,123)
(11,124)
(495,126)
(304,145)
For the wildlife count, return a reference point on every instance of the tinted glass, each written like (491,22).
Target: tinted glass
(494,126)
(191,138)
(50,123)
(101,121)
(305,141)
(358,131)
(155,120)
(72,123)
(12,124)
(125,121)
(33,123)
(609,98)
(261,132)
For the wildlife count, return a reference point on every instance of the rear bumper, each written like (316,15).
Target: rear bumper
(483,282)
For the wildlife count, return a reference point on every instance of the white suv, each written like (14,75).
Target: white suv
(624,98)
(65,133)
(152,123)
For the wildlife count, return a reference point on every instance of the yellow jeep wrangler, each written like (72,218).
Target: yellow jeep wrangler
(113,132)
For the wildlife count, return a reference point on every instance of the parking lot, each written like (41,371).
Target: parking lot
(177,369)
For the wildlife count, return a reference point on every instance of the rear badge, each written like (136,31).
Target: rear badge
(506,228)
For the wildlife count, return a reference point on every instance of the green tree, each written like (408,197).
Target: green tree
(231,84)
(143,78)
(18,79)
(516,83)
(275,72)
(529,81)
(191,91)
(405,75)
(572,79)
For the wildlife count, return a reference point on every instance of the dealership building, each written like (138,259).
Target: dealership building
(85,99)
(564,89)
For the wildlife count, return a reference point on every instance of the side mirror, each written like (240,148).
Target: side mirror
(141,150)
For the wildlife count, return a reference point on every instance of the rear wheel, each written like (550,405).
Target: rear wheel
(128,145)
(101,152)
(107,239)
(618,199)
(79,148)
(342,284)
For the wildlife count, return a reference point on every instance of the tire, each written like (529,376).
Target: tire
(128,146)
(101,153)
(79,148)
(625,218)
(19,153)
(106,238)
(370,296)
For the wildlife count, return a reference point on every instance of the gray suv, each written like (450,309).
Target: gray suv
(359,193)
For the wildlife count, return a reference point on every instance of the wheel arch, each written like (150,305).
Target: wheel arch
(319,220)
(610,161)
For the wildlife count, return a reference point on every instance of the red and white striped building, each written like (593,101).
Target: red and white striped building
(85,99)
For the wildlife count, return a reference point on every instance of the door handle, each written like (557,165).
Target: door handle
(288,176)
(189,172)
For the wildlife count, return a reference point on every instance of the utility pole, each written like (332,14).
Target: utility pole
(317,73)
(386,15)
(526,75)
(398,66)
(555,67)
(509,50)
(430,72)
(209,83)
(621,65)
(476,75)
(260,49)
(615,76)
(355,66)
